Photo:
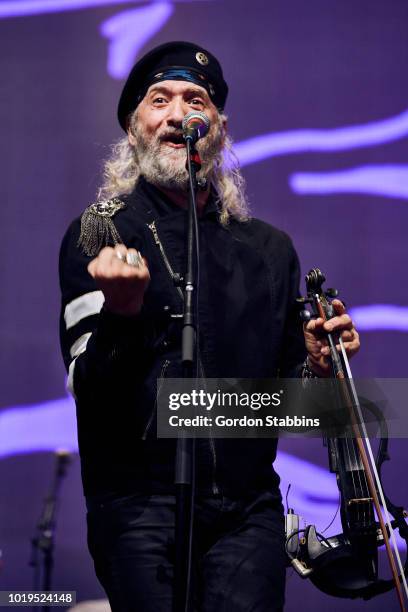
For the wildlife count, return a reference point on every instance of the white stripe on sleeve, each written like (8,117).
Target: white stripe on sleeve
(70,381)
(79,345)
(82,307)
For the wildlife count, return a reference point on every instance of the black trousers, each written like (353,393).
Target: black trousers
(239,556)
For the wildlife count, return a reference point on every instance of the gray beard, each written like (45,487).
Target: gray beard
(165,167)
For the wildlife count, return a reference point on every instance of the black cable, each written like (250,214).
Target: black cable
(334,517)
(287,494)
(321,536)
(323,539)
(289,539)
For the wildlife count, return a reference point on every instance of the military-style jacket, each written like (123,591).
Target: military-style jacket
(249,328)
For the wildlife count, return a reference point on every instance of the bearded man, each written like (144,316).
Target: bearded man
(119,335)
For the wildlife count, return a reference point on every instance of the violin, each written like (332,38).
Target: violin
(346,565)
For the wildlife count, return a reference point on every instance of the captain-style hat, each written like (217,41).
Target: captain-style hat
(174,61)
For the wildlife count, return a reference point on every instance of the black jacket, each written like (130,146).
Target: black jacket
(249,328)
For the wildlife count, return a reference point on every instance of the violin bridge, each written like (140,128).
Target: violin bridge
(361,500)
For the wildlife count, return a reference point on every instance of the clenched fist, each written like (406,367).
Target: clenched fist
(122,275)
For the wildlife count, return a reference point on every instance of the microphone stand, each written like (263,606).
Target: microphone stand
(44,539)
(185,454)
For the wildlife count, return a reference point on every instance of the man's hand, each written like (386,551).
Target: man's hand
(317,345)
(123,284)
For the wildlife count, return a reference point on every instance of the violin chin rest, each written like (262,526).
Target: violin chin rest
(342,573)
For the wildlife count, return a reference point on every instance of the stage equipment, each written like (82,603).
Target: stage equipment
(43,540)
(195,125)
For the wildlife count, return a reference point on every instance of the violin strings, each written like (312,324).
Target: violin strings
(361,475)
(353,461)
(347,444)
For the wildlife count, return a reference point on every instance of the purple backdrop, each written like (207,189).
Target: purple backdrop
(318,109)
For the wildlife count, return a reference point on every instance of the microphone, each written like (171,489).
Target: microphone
(195,126)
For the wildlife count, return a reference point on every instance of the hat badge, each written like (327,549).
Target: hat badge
(202,58)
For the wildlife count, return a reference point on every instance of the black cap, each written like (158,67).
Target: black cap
(181,61)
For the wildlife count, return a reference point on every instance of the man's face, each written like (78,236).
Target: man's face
(156,133)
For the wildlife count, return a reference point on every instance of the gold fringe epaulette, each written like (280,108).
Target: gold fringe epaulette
(97,227)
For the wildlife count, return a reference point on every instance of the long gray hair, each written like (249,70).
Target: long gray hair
(121,172)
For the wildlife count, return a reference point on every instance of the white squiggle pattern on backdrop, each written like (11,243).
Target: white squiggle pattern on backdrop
(120,30)
(330,140)
(385,180)
(25,8)
(377,317)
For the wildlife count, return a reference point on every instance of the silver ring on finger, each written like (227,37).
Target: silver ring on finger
(121,256)
(134,259)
